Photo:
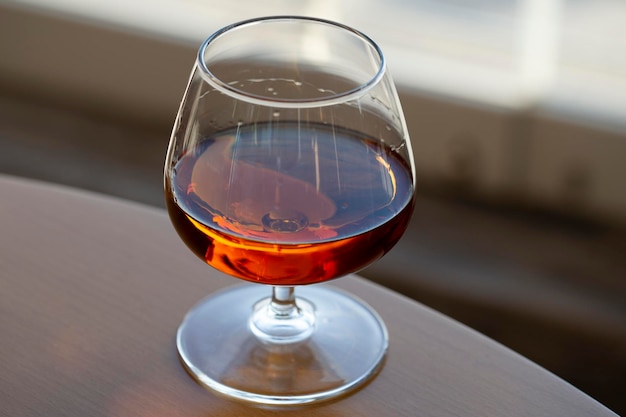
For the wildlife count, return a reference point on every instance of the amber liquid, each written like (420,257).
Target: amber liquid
(282,205)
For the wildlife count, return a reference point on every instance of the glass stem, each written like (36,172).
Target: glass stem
(283,302)
(280,319)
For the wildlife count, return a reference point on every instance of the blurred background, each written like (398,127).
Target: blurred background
(517,114)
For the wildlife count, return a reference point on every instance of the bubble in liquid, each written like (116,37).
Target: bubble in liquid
(284,221)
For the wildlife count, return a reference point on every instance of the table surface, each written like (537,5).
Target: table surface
(93,288)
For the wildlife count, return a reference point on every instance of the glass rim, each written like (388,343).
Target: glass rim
(335,98)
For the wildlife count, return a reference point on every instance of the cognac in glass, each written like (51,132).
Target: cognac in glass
(289,165)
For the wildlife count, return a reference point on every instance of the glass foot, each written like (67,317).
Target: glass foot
(219,348)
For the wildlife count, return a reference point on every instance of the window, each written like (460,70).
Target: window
(516,61)
(505,52)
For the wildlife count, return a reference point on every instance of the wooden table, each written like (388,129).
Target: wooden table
(93,288)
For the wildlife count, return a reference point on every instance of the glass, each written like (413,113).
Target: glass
(289,164)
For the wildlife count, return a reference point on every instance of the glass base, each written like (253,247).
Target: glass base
(219,349)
